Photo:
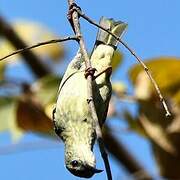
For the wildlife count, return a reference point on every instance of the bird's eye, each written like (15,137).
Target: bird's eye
(74,163)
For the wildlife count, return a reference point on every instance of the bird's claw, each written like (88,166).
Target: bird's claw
(73,7)
(90,72)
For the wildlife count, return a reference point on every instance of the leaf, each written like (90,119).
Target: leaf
(33,33)
(143,88)
(46,88)
(31,117)
(165,70)
(8,117)
(116,60)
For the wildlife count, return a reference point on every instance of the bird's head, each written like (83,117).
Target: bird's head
(80,161)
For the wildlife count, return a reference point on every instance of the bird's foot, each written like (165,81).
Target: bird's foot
(73,7)
(90,72)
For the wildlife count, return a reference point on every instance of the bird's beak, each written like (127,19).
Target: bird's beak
(94,170)
(97,170)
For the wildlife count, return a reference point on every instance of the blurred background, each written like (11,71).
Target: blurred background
(142,143)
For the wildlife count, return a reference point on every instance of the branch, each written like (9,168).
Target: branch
(74,21)
(30,58)
(134,54)
(52,41)
(122,155)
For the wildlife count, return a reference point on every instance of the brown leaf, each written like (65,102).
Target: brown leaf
(31,117)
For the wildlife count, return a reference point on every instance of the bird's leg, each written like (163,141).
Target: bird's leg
(108,71)
(73,7)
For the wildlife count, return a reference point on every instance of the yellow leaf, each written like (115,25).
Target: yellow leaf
(165,70)
(33,33)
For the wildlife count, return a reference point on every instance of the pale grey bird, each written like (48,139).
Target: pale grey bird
(72,117)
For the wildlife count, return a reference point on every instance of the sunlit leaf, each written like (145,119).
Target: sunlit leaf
(142,88)
(165,70)
(117,60)
(33,33)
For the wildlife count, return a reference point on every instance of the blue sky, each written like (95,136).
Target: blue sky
(153,31)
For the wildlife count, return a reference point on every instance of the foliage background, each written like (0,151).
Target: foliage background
(153,31)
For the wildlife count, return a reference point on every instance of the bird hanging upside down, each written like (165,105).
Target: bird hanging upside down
(72,117)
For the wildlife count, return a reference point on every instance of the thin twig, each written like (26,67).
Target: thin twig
(134,54)
(52,41)
(76,27)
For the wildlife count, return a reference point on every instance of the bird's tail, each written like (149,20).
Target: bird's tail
(116,27)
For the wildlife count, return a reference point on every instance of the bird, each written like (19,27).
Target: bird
(72,118)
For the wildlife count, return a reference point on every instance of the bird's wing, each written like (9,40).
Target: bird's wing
(76,65)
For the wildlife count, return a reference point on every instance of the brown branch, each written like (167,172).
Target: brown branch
(122,155)
(74,20)
(52,41)
(134,54)
(30,58)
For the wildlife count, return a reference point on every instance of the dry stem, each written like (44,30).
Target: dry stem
(76,27)
(52,41)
